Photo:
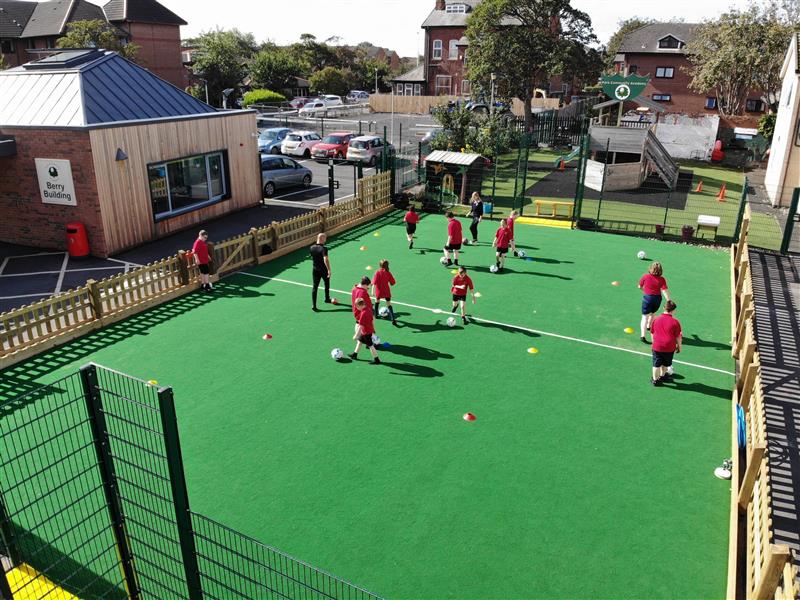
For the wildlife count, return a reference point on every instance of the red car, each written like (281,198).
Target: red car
(333,145)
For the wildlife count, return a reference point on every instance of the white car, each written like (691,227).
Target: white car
(315,107)
(368,149)
(331,100)
(300,143)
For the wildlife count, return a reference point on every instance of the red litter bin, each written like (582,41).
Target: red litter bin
(77,240)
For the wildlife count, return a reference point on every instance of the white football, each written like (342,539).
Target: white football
(451,322)
(443,260)
(522,253)
(337,354)
(493,268)
(641,255)
(376,340)
(383,311)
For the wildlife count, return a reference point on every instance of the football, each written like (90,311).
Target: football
(443,260)
(493,269)
(337,354)
(521,253)
(641,255)
(383,311)
(451,322)
(376,340)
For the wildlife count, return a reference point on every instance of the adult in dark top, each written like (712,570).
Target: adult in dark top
(321,270)
(476,212)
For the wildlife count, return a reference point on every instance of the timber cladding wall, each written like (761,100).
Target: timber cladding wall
(123,186)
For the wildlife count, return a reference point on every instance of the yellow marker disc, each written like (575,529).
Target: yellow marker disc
(363,248)
(629,330)
(454,272)
(153,382)
(368,268)
(477,294)
(377,234)
(533,351)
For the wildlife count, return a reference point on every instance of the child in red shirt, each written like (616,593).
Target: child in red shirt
(454,239)
(381,289)
(411,219)
(652,284)
(462,283)
(502,238)
(360,290)
(366,328)
(667,340)
(202,259)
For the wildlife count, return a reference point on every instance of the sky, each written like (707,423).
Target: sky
(395,24)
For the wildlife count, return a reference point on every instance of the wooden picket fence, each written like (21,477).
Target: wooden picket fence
(769,572)
(31,329)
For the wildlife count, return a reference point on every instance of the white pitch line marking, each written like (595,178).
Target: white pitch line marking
(42,295)
(519,327)
(124,262)
(61,273)
(5,262)
(56,272)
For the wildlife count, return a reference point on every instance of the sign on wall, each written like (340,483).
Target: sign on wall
(622,88)
(55,181)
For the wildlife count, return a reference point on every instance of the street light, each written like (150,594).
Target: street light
(491,104)
(225,93)
(376,80)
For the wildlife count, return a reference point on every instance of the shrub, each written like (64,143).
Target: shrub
(262,97)
(766,125)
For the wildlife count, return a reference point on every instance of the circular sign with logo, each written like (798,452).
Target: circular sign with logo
(622,92)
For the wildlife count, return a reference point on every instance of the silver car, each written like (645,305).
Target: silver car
(368,149)
(281,172)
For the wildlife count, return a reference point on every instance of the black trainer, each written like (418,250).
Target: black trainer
(656,382)
(644,340)
(353,355)
(453,310)
(376,361)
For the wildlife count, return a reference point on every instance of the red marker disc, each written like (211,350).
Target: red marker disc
(469,417)
(267,336)
(334,301)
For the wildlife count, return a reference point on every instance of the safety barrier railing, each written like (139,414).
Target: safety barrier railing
(34,328)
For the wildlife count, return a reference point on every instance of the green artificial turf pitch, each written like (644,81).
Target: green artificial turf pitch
(578,478)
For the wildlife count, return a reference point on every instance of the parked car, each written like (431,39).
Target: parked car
(333,145)
(300,143)
(357,96)
(299,101)
(312,109)
(331,100)
(270,140)
(368,149)
(281,172)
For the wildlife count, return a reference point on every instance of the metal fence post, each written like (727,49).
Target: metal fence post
(7,535)
(787,232)
(603,182)
(666,208)
(525,174)
(97,421)
(582,160)
(740,215)
(180,496)
(5,587)
(516,173)
(419,162)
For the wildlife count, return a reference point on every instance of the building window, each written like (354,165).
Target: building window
(456,8)
(633,69)
(7,47)
(30,44)
(466,87)
(399,89)
(417,89)
(797,133)
(437,50)
(662,97)
(452,51)
(179,186)
(670,42)
(409,89)
(665,72)
(442,85)
(711,103)
(753,105)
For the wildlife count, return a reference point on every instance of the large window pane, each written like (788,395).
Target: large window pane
(216,176)
(188,182)
(158,189)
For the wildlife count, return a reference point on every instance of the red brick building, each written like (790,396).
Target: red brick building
(28,27)
(659,51)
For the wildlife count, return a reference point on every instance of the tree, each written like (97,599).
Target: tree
(3,63)
(221,60)
(624,27)
(739,52)
(365,74)
(313,55)
(274,68)
(331,80)
(96,33)
(524,42)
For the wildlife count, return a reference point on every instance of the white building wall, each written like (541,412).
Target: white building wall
(687,137)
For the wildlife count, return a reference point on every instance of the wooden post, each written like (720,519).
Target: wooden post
(747,386)
(183,267)
(254,243)
(754,459)
(94,298)
(323,219)
(777,557)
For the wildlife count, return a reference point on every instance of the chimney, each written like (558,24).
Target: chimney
(439,5)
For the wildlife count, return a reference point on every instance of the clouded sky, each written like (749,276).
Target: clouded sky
(395,23)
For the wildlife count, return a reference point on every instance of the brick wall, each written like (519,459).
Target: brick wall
(160,51)
(26,220)
(455,69)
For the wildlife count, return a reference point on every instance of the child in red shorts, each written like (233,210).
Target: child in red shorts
(411,219)
(502,238)
(462,283)
(366,328)
(381,289)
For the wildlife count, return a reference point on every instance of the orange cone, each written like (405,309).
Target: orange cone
(561,165)
(722,191)
(699,188)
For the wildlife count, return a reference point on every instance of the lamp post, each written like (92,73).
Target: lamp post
(491,104)
(225,93)
(376,80)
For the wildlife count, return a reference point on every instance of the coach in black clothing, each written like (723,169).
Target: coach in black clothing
(321,270)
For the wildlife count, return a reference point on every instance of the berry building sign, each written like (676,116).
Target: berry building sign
(55,181)
(622,88)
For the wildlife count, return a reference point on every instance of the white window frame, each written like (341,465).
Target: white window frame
(663,71)
(211,199)
(436,52)
(409,89)
(440,86)
(418,89)
(452,50)
(662,97)
(456,8)
(399,89)
(712,100)
(466,87)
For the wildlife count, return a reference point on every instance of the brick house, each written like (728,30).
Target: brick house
(659,50)
(28,27)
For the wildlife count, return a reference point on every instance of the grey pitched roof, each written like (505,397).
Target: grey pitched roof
(415,75)
(141,11)
(441,18)
(14,15)
(645,39)
(51,18)
(89,87)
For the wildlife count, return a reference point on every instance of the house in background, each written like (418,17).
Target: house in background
(783,170)
(411,83)
(659,51)
(28,27)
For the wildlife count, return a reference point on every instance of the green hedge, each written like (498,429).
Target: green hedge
(262,97)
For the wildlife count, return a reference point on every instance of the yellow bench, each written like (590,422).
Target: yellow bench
(553,205)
